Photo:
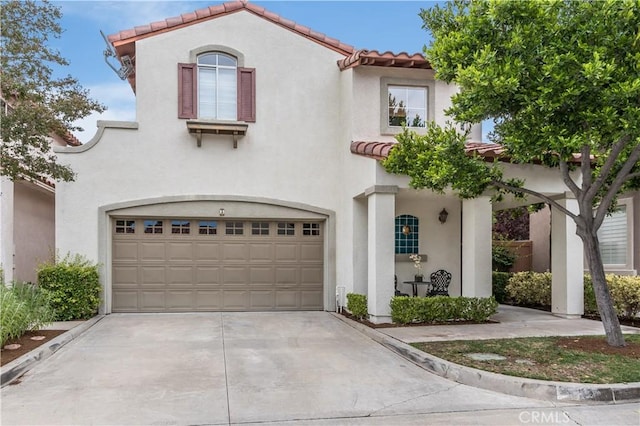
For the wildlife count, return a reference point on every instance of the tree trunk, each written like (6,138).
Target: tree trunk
(601,289)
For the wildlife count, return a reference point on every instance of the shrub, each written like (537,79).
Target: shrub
(23,307)
(625,292)
(499,285)
(502,258)
(530,288)
(73,287)
(357,305)
(405,310)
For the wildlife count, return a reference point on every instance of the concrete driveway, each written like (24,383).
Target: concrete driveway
(232,368)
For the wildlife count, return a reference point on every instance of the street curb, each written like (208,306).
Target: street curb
(510,385)
(19,366)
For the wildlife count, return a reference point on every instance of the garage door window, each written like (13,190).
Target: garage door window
(125,226)
(285,228)
(260,228)
(234,228)
(208,227)
(180,227)
(153,227)
(310,229)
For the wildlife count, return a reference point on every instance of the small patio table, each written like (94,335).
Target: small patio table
(415,285)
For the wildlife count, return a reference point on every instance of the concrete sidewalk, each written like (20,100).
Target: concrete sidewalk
(513,322)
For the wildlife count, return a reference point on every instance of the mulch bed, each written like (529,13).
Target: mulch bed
(599,345)
(27,345)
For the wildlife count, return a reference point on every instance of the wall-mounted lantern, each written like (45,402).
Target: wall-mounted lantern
(442,217)
(221,212)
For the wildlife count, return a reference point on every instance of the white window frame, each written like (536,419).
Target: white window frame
(385,83)
(627,267)
(216,69)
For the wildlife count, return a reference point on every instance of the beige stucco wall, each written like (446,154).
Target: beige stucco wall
(34,229)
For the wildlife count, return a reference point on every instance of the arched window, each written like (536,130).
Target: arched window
(217,86)
(406,234)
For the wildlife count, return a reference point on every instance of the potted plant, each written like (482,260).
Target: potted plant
(417,263)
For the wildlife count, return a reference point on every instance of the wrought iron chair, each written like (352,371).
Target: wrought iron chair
(440,281)
(398,292)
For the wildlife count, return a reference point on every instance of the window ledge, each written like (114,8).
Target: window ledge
(236,129)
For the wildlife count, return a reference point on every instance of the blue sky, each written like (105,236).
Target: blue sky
(374,25)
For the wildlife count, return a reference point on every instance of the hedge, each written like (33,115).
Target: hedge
(534,289)
(405,310)
(499,285)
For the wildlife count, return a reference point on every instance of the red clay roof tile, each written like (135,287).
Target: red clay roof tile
(386,59)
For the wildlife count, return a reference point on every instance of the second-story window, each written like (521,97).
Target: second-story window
(217,86)
(407,106)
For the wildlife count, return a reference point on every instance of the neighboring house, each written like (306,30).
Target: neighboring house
(27,219)
(250,179)
(619,238)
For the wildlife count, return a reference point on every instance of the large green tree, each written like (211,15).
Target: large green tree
(559,78)
(38,103)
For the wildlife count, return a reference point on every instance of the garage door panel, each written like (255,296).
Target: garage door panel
(207,251)
(126,276)
(235,300)
(179,275)
(286,252)
(261,300)
(209,300)
(234,252)
(126,301)
(286,276)
(208,275)
(286,299)
(261,275)
(311,252)
(235,275)
(311,299)
(125,251)
(152,300)
(152,251)
(262,252)
(310,275)
(153,275)
(217,271)
(176,300)
(182,251)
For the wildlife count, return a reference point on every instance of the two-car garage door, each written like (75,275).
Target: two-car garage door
(178,265)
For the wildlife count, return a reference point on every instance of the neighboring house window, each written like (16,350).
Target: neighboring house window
(216,88)
(407,106)
(406,234)
(405,102)
(613,237)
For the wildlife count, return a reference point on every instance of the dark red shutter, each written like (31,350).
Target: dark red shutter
(187,91)
(247,94)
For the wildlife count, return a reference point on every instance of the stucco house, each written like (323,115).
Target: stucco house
(27,218)
(251,182)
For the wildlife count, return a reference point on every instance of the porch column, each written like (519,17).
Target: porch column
(381,202)
(567,263)
(476,247)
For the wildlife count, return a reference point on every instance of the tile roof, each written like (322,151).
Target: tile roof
(124,41)
(386,59)
(488,151)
